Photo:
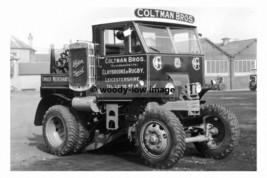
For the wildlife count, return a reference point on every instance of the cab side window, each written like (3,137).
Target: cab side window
(114,42)
(135,43)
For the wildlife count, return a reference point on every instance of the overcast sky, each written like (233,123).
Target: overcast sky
(61,21)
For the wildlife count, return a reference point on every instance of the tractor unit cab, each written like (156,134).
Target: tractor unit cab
(142,78)
(148,56)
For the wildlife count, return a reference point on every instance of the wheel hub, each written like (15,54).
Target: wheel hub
(216,131)
(155,139)
(55,131)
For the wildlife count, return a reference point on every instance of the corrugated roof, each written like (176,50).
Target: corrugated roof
(216,46)
(235,47)
(33,68)
(16,43)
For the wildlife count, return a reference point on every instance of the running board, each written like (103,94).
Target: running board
(103,139)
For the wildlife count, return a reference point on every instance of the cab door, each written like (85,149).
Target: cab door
(121,63)
(112,58)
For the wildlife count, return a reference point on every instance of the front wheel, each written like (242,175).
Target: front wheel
(159,138)
(225,132)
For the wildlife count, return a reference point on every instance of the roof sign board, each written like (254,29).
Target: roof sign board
(164,14)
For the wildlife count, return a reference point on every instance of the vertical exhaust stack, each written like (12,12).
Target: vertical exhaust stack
(52,59)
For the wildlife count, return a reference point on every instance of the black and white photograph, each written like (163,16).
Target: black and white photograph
(133,87)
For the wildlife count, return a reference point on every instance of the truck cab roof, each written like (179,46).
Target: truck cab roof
(146,20)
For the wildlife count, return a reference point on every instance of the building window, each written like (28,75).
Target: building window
(243,67)
(217,67)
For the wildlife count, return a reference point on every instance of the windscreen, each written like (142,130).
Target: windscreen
(162,39)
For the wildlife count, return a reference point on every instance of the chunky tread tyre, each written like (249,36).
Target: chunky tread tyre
(231,136)
(70,129)
(177,138)
(83,136)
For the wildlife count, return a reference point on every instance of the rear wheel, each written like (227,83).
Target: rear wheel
(224,128)
(83,136)
(60,130)
(159,138)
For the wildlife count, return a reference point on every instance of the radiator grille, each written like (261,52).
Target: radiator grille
(82,67)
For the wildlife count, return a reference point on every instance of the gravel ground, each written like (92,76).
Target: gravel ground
(28,152)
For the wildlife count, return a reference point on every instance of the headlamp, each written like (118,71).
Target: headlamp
(170,86)
(198,87)
(141,82)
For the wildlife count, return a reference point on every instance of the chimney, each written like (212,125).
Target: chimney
(52,58)
(225,41)
(30,38)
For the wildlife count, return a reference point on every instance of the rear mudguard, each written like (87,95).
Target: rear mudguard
(46,102)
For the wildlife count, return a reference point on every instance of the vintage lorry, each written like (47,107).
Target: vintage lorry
(217,84)
(253,80)
(142,79)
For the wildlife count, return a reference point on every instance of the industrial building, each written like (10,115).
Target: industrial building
(231,60)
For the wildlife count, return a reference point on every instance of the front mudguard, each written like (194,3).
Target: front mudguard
(204,91)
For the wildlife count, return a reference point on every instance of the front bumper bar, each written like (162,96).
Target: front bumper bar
(192,106)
